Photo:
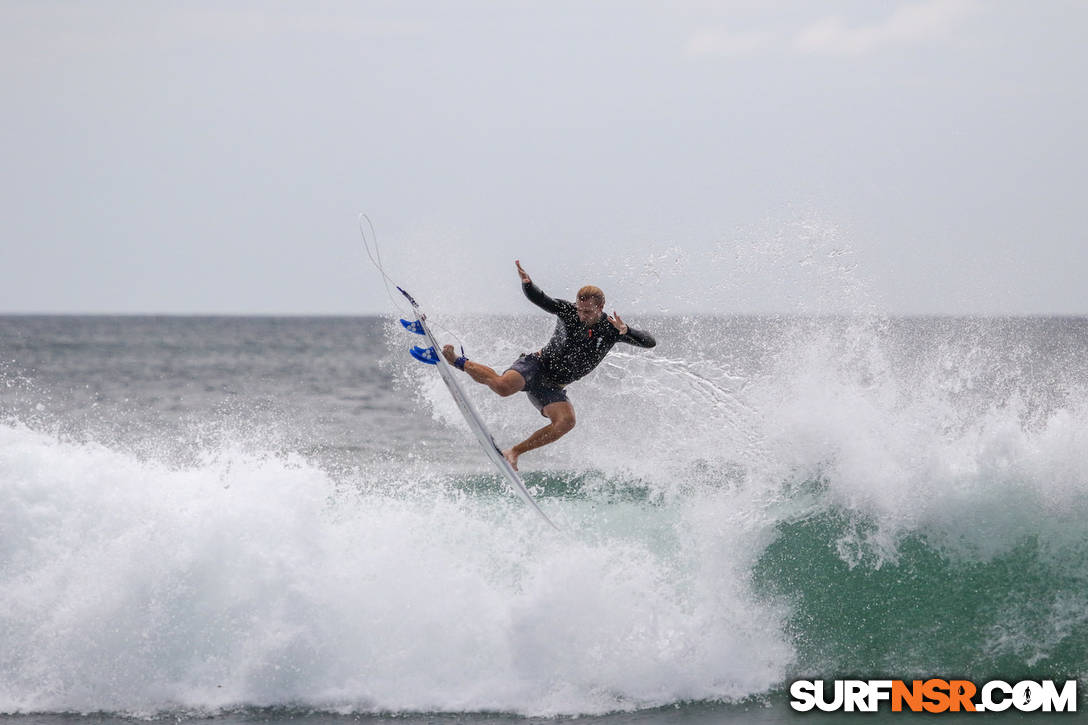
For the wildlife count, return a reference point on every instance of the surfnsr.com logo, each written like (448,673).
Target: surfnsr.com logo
(933,695)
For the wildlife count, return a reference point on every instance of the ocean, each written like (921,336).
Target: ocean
(240,520)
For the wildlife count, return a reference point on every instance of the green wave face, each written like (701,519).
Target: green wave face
(928,611)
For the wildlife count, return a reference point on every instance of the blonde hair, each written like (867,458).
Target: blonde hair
(591,292)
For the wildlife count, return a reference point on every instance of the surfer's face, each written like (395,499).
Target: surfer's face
(588,311)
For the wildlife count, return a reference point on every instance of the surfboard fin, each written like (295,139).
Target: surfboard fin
(425,355)
(413,326)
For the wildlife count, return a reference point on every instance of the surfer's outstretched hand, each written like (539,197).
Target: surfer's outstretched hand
(509,455)
(525,279)
(618,323)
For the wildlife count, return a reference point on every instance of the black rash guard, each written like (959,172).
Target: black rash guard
(575,348)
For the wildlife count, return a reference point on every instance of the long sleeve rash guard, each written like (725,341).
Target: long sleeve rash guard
(575,348)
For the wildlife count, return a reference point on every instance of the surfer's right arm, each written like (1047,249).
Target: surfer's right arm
(541,300)
(525,279)
(535,294)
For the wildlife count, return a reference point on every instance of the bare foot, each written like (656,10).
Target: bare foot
(509,455)
(449,354)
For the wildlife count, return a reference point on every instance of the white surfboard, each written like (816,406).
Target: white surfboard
(433,356)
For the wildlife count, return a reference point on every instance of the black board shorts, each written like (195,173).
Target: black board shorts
(540,390)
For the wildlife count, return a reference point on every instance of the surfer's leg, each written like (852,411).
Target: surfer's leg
(506,384)
(561,415)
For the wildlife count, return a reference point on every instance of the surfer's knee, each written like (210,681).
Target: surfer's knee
(563,419)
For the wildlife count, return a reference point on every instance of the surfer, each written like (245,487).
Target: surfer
(583,336)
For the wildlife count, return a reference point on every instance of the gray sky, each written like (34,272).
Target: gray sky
(927,156)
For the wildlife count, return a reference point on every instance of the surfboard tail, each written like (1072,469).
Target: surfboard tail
(411,299)
(430,356)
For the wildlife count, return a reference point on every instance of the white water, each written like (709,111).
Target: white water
(254,577)
(130,587)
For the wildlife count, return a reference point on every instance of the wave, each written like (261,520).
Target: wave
(260,581)
(823,498)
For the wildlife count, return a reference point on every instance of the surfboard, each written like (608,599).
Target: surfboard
(432,355)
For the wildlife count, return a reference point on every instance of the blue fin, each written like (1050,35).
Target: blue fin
(413,326)
(425,355)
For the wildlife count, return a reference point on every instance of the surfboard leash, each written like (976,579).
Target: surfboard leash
(376,259)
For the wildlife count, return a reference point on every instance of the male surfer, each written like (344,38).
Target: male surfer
(583,336)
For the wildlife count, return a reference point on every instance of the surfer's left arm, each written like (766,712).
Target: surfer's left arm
(629,334)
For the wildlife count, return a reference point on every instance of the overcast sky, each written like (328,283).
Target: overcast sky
(923,156)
